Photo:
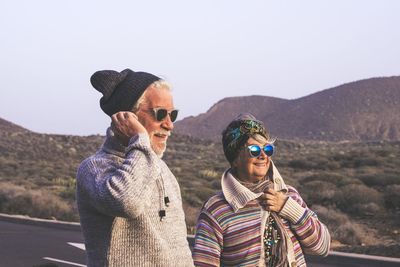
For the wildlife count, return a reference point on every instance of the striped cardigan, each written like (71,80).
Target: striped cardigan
(229,231)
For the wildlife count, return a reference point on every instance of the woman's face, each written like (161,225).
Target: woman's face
(250,169)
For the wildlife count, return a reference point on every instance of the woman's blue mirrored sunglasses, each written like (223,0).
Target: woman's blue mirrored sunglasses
(255,150)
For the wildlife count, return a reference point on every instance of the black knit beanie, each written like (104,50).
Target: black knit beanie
(121,90)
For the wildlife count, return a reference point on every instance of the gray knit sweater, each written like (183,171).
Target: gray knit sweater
(120,193)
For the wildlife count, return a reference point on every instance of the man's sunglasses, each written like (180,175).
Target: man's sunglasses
(255,150)
(161,113)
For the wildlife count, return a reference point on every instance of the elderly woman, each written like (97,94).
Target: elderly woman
(256,220)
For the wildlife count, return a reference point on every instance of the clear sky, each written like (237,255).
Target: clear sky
(207,49)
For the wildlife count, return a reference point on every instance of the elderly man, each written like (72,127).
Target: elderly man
(129,202)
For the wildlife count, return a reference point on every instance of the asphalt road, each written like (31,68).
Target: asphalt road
(23,245)
(27,245)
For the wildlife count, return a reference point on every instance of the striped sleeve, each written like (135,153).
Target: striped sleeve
(313,235)
(208,241)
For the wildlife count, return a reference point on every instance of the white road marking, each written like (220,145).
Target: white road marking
(77,245)
(363,256)
(66,262)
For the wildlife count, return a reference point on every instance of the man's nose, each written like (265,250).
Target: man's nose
(167,124)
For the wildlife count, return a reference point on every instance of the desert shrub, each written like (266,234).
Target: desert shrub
(323,176)
(380,179)
(332,164)
(339,225)
(318,192)
(334,178)
(313,163)
(176,170)
(68,193)
(191,215)
(357,199)
(67,187)
(367,208)
(67,181)
(330,216)
(216,184)
(204,193)
(347,181)
(35,203)
(322,163)
(189,196)
(349,233)
(392,197)
(362,157)
(383,153)
(300,164)
(209,175)
(359,162)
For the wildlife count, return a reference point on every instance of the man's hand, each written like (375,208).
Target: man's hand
(125,124)
(272,200)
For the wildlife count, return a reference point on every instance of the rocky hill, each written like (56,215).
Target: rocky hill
(209,125)
(7,126)
(365,110)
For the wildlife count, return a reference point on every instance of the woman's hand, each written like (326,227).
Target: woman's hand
(272,200)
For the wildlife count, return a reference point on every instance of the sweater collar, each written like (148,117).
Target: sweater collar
(237,195)
(112,145)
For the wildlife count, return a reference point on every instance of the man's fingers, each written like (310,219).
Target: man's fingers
(133,114)
(129,115)
(120,116)
(114,118)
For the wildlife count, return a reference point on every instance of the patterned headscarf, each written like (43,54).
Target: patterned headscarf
(238,132)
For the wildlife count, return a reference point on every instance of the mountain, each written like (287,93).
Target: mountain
(358,111)
(7,126)
(210,124)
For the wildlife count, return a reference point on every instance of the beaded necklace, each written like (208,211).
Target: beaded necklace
(271,240)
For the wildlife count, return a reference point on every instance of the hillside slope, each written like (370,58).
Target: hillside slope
(359,111)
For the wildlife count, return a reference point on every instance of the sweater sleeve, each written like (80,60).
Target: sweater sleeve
(208,241)
(117,189)
(313,235)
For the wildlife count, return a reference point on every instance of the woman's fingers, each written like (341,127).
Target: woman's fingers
(272,200)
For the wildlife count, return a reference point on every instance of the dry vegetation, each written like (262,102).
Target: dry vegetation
(353,187)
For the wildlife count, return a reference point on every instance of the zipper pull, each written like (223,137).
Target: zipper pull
(166,201)
(162,214)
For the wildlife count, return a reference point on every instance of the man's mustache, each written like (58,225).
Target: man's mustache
(167,133)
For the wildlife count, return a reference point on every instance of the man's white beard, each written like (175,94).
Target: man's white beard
(159,151)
